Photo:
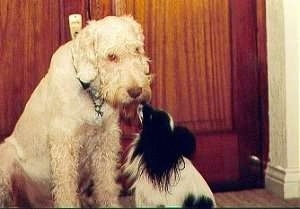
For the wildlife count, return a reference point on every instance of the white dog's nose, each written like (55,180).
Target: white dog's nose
(134,92)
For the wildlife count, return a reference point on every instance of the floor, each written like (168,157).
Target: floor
(253,198)
(259,198)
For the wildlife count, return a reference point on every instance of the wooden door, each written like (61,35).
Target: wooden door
(206,56)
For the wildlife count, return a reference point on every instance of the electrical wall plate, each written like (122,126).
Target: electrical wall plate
(75,24)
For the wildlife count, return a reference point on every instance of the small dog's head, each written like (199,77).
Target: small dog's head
(161,145)
(109,55)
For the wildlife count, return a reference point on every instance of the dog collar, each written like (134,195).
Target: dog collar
(94,94)
(97,100)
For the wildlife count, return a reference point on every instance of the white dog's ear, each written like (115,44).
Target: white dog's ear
(84,54)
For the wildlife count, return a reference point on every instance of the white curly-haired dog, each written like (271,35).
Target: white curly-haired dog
(69,131)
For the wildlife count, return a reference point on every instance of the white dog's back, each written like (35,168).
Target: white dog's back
(29,140)
(52,98)
(33,127)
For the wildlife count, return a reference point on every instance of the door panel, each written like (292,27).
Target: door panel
(204,57)
(220,158)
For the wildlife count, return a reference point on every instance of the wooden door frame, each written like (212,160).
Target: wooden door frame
(263,79)
(242,38)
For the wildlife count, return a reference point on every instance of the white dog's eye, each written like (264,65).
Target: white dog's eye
(137,50)
(113,57)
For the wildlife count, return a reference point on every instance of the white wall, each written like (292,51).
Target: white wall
(283,45)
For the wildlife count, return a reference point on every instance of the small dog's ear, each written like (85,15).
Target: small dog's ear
(185,140)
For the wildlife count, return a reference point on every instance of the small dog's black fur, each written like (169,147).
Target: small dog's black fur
(161,147)
(191,202)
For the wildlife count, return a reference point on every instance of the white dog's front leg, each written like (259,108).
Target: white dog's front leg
(104,170)
(64,170)
(8,155)
(5,199)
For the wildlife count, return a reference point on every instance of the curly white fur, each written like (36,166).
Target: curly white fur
(59,139)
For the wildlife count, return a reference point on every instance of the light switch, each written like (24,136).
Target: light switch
(75,24)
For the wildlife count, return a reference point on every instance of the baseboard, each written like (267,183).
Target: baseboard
(283,182)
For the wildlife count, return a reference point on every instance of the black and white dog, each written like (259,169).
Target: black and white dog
(157,164)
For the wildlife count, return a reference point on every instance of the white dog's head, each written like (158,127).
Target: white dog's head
(109,56)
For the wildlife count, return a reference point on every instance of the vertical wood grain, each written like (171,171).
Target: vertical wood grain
(100,8)
(189,45)
(29,35)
